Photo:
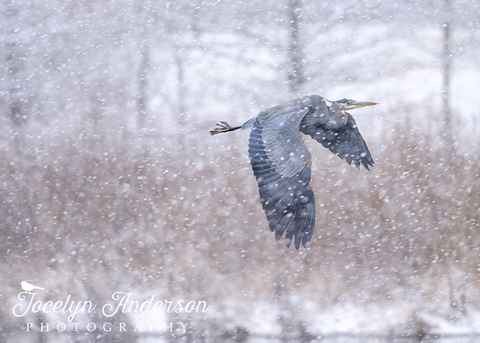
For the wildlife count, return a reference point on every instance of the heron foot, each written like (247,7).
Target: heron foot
(223,127)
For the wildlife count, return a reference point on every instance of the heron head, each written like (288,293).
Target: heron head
(349,104)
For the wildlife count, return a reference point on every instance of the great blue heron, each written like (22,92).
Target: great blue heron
(282,163)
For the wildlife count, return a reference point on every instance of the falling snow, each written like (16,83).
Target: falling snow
(111,184)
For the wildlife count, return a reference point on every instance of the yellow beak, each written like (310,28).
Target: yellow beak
(359,104)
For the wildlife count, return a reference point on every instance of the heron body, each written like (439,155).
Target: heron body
(281,162)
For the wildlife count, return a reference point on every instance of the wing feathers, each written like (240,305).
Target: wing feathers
(345,141)
(288,201)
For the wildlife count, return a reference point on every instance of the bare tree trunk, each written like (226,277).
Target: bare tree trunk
(284,309)
(14,67)
(446,71)
(142,87)
(181,90)
(295,53)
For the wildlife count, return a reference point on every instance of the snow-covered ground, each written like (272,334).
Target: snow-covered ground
(93,204)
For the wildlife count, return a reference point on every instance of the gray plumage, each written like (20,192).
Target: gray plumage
(281,162)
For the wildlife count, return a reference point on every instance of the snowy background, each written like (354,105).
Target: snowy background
(110,181)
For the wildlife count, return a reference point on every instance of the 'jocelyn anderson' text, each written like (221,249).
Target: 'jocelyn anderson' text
(123,304)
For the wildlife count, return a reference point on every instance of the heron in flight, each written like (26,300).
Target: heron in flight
(282,163)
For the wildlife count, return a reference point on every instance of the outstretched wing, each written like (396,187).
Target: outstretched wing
(343,140)
(281,164)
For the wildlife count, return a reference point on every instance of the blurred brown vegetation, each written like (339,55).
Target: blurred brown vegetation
(110,181)
(179,217)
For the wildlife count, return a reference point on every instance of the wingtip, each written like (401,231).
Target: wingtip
(288,241)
